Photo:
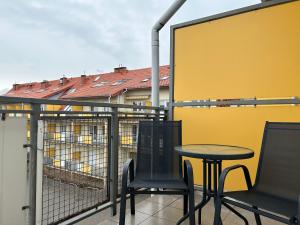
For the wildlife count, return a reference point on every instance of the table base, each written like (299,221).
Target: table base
(209,191)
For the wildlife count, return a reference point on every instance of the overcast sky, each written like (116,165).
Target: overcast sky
(42,39)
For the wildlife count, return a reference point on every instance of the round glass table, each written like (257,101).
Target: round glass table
(212,156)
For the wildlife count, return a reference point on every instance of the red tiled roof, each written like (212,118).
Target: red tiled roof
(99,85)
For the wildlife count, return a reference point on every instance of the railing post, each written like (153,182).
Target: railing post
(114,164)
(166,115)
(157,111)
(34,117)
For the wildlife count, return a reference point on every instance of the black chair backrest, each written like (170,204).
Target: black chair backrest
(279,166)
(156,157)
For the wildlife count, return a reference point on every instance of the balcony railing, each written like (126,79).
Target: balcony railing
(83,153)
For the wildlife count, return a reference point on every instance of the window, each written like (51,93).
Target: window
(139,103)
(134,133)
(164,78)
(76,155)
(51,152)
(163,103)
(97,133)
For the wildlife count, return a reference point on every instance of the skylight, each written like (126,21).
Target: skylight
(100,84)
(97,78)
(118,82)
(164,78)
(41,90)
(72,90)
(145,80)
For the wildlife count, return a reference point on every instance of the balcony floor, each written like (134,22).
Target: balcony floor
(166,210)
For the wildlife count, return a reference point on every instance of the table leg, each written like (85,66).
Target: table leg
(204,195)
(206,191)
(217,170)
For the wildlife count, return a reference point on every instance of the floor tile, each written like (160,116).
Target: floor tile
(169,213)
(163,199)
(156,221)
(149,207)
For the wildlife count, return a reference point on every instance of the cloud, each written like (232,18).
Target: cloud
(46,39)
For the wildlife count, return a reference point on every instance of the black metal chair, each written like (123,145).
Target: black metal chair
(158,169)
(276,191)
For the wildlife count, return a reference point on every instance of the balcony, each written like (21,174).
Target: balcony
(167,210)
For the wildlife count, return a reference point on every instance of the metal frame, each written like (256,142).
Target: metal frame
(257,212)
(113,116)
(188,203)
(244,102)
(173,28)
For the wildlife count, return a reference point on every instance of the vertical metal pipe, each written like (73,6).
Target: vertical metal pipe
(34,116)
(155,48)
(114,140)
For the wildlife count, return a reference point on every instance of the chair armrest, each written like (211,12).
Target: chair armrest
(128,167)
(229,169)
(188,173)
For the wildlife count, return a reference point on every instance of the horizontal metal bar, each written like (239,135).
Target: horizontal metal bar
(46,117)
(147,114)
(261,212)
(87,214)
(75,112)
(160,192)
(16,111)
(244,102)
(15,100)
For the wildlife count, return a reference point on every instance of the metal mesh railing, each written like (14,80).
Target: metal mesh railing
(75,166)
(77,170)
(128,137)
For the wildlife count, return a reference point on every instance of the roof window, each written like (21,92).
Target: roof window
(100,84)
(164,78)
(72,90)
(118,82)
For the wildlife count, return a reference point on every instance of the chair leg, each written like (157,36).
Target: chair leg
(191,206)
(123,205)
(185,204)
(199,216)
(132,202)
(218,206)
(257,217)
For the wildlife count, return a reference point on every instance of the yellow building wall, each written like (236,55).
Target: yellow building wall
(242,126)
(253,54)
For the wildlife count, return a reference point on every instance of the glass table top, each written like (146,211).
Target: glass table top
(215,151)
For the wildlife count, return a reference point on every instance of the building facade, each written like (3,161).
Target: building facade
(81,145)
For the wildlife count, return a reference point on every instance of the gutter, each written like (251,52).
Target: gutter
(155,48)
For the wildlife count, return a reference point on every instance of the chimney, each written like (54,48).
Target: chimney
(63,80)
(45,84)
(15,87)
(83,79)
(120,69)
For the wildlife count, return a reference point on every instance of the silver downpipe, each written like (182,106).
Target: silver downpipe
(155,48)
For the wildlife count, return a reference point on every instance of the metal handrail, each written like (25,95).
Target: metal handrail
(16,100)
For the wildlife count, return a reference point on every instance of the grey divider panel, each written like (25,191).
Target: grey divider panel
(13,169)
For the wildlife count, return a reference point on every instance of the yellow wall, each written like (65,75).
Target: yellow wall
(242,56)
(253,54)
(241,126)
